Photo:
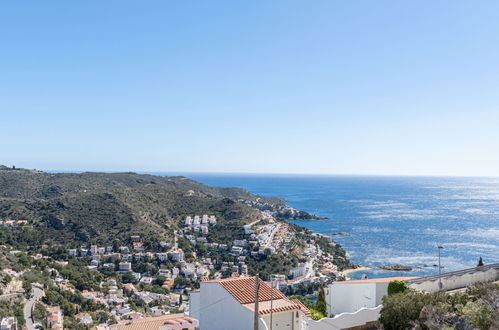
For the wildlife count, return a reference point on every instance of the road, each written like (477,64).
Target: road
(28,307)
(254,222)
(272,234)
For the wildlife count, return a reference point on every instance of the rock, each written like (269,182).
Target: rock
(341,233)
(397,267)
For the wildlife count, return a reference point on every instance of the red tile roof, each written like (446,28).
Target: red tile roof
(278,309)
(243,289)
(153,323)
(302,307)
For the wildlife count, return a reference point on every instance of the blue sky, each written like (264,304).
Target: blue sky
(346,87)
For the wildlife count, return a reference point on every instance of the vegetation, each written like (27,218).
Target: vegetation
(320,305)
(477,308)
(73,208)
(40,313)
(397,286)
(304,300)
(303,289)
(326,245)
(278,263)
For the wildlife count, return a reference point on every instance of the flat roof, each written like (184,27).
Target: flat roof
(377,280)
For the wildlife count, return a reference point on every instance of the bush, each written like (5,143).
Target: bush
(316,315)
(397,286)
(400,309)
(478,313)
(321,306)
(304,300)
(477,309)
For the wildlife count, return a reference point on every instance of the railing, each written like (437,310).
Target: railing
(455,273)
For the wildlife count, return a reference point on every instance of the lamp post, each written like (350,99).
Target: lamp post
(439,267)
(440,286)
(271,301)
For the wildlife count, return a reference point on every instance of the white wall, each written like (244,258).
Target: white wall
(194,304)
(346,320)
(344,297)
(221,311)
(285,320)
(452,282)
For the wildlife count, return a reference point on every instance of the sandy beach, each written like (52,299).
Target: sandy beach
(346,272)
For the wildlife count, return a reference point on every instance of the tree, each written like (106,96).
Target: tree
(397,286)
(304,300)
(480,262)
(129,278)
(320,305)
(27,286)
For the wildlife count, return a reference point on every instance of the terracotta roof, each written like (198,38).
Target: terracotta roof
(275,306)
(377,280)
(243,289)
(153,323)
(302,307)
(278,309)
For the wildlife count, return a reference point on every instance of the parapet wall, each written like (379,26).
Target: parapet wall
(455,280)
(359,319)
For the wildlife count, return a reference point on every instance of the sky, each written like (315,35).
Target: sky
(319,87)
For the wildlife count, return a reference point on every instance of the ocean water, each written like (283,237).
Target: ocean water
(392,219)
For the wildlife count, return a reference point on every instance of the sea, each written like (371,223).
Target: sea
(390,219)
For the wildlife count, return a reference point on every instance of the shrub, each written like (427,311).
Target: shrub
(397,286)
(478,313)
(304,300)
(320,305)
(316,315)
(401,309)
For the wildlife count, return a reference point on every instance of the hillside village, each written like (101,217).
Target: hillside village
(138,280)
(179,255)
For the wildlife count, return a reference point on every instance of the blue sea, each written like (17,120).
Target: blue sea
(392,220)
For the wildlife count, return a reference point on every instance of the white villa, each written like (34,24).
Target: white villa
(228,304)
(350,296)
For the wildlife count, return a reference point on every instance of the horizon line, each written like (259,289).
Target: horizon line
(229,173)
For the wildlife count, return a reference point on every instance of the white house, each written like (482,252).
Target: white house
(177,255)
(350,296)
(213,220)
(8,323)
(162,256)
(196,221)
(228,304)
(204,229)
(124,267)
(298,271)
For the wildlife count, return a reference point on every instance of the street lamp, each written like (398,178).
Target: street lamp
(271,301)
(440,286)
(439,267)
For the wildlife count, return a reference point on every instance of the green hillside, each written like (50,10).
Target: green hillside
(100,207)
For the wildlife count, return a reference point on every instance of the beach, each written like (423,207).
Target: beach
(347,272)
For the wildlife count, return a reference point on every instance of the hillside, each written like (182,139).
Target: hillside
(100,207)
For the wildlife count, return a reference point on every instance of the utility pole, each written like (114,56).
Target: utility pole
(439,268)
(257,289)
(271,301)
